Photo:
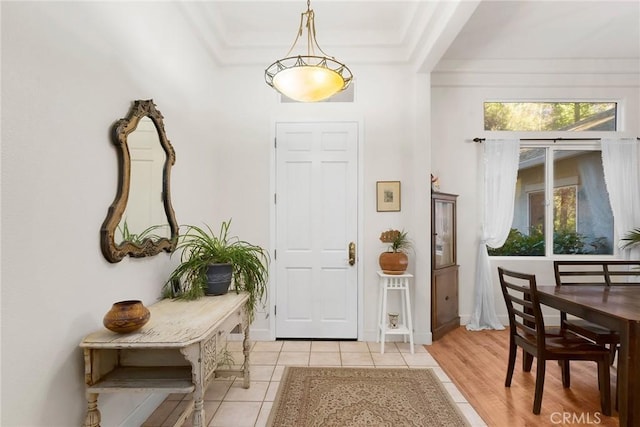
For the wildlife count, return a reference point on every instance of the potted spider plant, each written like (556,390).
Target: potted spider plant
(395,260)
(210,262)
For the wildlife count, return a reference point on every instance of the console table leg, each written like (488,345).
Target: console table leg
(198,413)
(246,380)
(93,413)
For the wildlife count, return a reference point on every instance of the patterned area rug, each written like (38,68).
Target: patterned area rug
(342,397)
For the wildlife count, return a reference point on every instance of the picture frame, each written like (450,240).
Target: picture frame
(388,196)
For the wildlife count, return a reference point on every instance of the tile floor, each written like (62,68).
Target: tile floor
(227,404)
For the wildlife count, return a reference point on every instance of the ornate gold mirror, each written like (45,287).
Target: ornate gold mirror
(141,221)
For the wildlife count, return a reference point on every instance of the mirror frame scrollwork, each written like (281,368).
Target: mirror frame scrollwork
(148,247)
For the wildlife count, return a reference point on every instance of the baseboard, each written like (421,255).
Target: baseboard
(549,320)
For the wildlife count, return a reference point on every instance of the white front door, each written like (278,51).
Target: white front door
(316,220)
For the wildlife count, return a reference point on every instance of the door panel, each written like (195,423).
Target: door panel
(316,219)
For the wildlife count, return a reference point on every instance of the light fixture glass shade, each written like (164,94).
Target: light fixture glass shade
(308,79)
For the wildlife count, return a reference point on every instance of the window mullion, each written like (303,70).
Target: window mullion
(549,202)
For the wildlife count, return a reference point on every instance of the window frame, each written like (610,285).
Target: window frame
(550,148)
(571,132)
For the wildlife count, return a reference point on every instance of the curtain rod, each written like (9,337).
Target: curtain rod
(549,139)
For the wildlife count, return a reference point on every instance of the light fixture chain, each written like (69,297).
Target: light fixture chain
(308,78)
(298,34)
(311,28)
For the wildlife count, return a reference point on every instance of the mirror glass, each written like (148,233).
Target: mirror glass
(144,215)
(141,221)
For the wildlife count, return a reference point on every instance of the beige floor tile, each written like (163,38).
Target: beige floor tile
(261,372)
(237,357)
(354,347)
(210,408)
(176,396)
(175,414)
(277,373)
(237,345)
(405,347)
(296,346)
(271,391)
(471,415)
(236,414)
(255,393)
(357,359)
(388,359)
(227,404)
(218,389)
(389,347)
(454,392)
(263,416)
(161,413)
(267,346)
(324,359)
(442,376)
(294,358)
(331,346)
(419,359)
(264,357)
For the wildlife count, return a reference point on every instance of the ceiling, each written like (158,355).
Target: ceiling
(399,31)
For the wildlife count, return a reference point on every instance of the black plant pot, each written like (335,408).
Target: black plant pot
(218,279)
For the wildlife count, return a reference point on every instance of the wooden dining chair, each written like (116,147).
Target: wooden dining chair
(595,273)
(526,325)
(586,273)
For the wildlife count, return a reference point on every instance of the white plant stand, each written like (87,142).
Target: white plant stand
(394,282)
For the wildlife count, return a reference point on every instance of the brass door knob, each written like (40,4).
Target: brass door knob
(352,253)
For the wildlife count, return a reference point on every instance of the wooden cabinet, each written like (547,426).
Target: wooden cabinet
(444,267)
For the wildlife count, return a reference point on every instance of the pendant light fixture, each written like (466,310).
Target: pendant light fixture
(310,77)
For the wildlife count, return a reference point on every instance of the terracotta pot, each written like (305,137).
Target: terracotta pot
(126,316)
(393,262)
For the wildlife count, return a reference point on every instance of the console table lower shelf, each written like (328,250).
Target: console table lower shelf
(176,352)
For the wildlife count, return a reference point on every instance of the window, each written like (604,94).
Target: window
(577,220)
(550,116)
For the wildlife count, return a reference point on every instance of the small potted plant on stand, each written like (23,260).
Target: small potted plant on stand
(395,260)
(210,263)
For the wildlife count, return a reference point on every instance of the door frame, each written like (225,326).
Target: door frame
(326,118)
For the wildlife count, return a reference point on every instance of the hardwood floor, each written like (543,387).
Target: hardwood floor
(477,363)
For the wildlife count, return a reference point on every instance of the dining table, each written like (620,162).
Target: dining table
(617,308)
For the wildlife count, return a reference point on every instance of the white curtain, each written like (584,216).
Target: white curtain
(620,159)
(597,222)
(500,165)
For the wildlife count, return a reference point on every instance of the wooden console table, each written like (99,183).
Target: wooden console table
(175,352)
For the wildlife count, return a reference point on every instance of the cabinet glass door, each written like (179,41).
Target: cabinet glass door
(444,234)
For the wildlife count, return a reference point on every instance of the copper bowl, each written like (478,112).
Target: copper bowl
(126,316)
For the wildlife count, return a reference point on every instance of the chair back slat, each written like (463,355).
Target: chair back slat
(601,273)
(523,307)
(624,273)
(580,273)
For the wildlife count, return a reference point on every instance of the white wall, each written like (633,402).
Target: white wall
(458,93)
(70,70)
(385,106)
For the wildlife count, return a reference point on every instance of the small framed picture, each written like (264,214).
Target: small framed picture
(388,196)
